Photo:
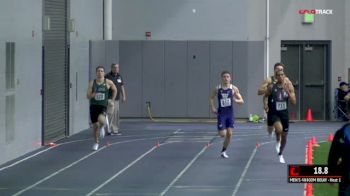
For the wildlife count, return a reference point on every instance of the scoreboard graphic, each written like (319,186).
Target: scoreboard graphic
(313,174)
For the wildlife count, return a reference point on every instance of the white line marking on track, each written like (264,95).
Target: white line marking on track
(177,131)
(57,172)
(121,171)
(246,169)
(60,144)
(182,172)
(31,156)
(76,162)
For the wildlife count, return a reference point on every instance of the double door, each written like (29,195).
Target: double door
(307,65)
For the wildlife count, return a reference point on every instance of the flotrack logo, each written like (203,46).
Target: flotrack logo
(316,11)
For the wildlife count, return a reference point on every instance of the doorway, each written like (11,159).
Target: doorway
(55,81)
(307,64)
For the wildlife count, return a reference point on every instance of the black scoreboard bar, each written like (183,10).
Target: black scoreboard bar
(313,174)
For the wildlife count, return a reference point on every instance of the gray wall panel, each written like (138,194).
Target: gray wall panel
(255,64)
(97,56)
(131,68)
(248,64)
(153,76)
(112,53)
(178,76)
(198,78)
(79,77)
(175,74)
(239,75)
(220,60)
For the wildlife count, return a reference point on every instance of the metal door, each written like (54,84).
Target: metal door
(291,58)
(55,71)
(314,91)
(306,63)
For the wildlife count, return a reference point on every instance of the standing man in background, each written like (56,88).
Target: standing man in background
(339,157)
(113,110)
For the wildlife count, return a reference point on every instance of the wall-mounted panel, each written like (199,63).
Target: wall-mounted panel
(220,60)
(240,75)
(248,64)
(111,53)
(198,78)
(130,63)
(175,74)
(255,65)
(153,76)
(97,56)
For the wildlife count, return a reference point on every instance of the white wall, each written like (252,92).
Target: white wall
(347,38)
(174,20)
(19,19)
(88,17)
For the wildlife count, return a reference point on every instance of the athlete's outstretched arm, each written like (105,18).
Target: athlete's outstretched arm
(292,97)
(113,88)
(89,93)
(265,103)
(237,97)
(263,86)
(268,90)
(211,101)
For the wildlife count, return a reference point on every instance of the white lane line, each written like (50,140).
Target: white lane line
(244,172)
(121,171)
(182,172)
(70,142)
(57,172)
(177,131)
(20,161)
(76,162)
(246,169)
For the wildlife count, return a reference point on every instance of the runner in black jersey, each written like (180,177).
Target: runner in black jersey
(226,94)
(261,91)
(280,94)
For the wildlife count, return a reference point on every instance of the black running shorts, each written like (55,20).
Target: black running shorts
(283,117)
(95,111)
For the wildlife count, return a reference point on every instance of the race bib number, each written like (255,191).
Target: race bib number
(225,102)
(281,106)
(99,96)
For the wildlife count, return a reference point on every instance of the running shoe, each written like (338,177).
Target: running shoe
(278,145)
(224,155)
(281,159)
(95,146)
(115,133)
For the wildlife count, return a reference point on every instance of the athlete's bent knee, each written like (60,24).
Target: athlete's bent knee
(222,133)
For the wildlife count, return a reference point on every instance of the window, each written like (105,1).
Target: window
(10,92)
(10,65)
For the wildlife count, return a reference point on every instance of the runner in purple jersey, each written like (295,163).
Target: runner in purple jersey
(226,94)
